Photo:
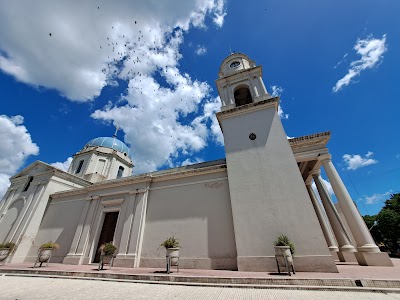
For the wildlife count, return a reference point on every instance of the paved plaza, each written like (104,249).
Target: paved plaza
(62,281)
(28,288)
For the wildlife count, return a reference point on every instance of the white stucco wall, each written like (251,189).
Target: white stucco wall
(58,225)
(268,194)
(197,211)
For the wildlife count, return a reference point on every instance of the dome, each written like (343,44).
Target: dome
(235,63)
(109,142)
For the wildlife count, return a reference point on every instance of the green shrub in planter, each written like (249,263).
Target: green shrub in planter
(283,240)
(8,245)
(171,242)
(50,245)
(108,248)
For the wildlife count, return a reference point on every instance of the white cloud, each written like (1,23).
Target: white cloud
(277,91)
(327,185)
(200,50)
(371,51)
(88,37)
(356,161)
(4,184)
(156,141)
(375,198)
(341,61)
(135,41)
(15,150)
(63,165)
(189,161)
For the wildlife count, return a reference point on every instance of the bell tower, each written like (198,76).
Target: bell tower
(240,82)
(268,194)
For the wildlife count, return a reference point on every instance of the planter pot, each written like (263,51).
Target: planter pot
(284,258)
(4,253)
(105,259)
(45,255)
(281,252)
(174,254)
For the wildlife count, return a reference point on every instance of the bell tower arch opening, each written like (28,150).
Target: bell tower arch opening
(242,95)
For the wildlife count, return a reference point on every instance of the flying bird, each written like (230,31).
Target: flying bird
(50,34)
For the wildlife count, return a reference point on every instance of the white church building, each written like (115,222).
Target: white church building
(225,213)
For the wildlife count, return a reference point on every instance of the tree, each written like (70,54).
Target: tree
(373,228)
(387,229)
(393,203)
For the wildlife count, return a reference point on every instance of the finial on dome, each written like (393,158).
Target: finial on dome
(116,130)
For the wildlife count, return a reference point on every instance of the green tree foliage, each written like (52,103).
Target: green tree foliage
(387,229)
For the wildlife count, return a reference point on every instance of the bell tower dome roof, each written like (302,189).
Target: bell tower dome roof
(235,63)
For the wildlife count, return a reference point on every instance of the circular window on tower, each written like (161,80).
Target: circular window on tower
(234,65)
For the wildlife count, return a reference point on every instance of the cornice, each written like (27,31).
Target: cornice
(190,172)
(321,139)
(49,172)
(148,177)
(254,106)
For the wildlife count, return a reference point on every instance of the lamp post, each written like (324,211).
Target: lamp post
(375,223)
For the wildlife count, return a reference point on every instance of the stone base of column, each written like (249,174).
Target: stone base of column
(347,256)
(374,259)
(311,263)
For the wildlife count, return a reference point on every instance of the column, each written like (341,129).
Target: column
(345,248)
(363,238)
(231,95)
(255,89)
(262,90)
(324,226)
(140,225)
(125,257)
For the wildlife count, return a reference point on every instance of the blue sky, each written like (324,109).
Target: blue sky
(60,91)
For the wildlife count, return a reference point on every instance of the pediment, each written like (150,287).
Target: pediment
(33,169)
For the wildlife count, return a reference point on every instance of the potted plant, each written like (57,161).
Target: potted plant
(45,252)
(5,250)
(172,247)
(107,251)
(284,249)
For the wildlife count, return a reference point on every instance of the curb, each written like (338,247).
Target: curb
(351,285)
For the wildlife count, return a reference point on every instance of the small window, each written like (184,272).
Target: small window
(79,167)
(28,184)
(120,172)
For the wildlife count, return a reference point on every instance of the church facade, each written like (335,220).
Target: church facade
(225,213)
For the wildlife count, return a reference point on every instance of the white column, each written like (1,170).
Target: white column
(262,89)
(363,238)
(324,226)
(141,225)
(254,86)
(231,95)
(337,227)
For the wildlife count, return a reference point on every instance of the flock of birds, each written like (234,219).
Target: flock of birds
(128,57)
